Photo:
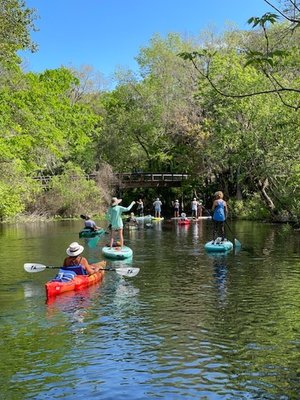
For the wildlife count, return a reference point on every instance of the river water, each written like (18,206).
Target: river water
(189,326)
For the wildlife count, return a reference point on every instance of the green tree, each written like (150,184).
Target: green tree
(251,139)
(70,194)
(16,24)
(41,127)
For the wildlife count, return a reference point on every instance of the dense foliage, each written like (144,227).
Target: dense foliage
(222,108)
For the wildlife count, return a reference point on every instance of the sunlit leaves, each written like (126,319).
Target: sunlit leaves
(267,18)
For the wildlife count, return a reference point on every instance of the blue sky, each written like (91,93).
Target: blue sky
(108,34)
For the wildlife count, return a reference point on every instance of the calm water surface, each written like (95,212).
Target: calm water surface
(189,326)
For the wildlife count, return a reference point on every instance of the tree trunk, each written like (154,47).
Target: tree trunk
(239,195)
(263,185)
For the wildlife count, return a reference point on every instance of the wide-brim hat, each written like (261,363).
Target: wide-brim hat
(74,249)
(115,201)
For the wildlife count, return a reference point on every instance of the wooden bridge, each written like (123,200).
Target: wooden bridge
(134,180)
(147,180)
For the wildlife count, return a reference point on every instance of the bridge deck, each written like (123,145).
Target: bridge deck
(135,180)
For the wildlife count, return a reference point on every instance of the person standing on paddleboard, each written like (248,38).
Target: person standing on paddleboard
(140,208)
(114,216)
(176,208)
(157,208)
(220,211)
(194,206)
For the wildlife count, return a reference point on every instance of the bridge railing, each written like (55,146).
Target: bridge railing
(152,177)
(127,178)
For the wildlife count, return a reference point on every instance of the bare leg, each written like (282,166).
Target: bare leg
(111,238)
(215,231)
(223,230)
(121,238)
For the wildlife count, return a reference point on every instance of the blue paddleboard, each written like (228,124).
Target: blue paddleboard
(218,246)
(117,253)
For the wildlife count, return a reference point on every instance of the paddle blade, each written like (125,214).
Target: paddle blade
(237,243)
(32,267)
(127,271)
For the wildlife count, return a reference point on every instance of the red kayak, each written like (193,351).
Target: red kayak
(184,222)
(54,288)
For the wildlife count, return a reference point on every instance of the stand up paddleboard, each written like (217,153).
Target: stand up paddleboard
(117,253)
(218,245)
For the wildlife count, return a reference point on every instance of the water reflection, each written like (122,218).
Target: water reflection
(126,295)
(189,326)
(220,275)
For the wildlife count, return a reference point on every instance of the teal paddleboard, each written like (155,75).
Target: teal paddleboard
(218,246)
(117,253)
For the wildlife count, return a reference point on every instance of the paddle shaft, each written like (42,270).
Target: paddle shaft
(100,269)
(123,271)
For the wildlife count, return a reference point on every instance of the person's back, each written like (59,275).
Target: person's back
(75,262)
(90,224)
(219,210)
(194,206)
(157,207)
(114,216)
(140,207)
(176,208)
(157,203)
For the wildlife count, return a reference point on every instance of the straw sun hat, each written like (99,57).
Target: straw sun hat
(74,249)
(115,201)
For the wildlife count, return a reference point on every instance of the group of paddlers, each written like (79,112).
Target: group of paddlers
(219,213)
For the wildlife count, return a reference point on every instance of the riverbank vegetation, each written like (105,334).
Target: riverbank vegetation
(222,108)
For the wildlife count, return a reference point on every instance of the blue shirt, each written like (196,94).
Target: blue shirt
(219,211)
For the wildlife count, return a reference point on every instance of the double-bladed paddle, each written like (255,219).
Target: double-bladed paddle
(129,271)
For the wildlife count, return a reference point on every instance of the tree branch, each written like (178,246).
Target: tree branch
(294,20)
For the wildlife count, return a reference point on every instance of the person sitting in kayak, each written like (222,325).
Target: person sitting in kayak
(183,217)
(114,216)
(220,211)
(78,264)
(90,224)
(132,220)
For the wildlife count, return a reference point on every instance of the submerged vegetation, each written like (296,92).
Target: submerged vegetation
(224,109)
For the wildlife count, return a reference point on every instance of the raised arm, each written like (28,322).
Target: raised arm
(123,209)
